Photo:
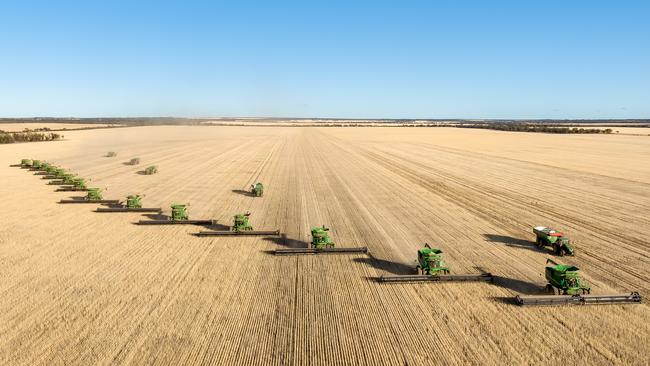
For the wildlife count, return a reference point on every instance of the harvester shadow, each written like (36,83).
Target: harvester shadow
(243,192)
(395,268)
(15,166)
(513,242)
(518,286)
(128,163)
(141,172)
(282,240)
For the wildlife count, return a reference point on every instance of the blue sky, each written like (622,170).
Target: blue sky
(348,59)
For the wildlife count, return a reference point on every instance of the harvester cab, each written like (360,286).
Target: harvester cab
(565,279)
(430,261)
(320,238)
(179,212)
(94,194)
(241,223)
(134,201)
(547,236)
(257,189)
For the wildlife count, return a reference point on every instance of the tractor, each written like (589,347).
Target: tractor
(257,189)
(565,279)
(430,261)
(320,238)
(133,201)
(241,223)
(553,238)
(151,170)
(94,194)
(26,163)
(179,212)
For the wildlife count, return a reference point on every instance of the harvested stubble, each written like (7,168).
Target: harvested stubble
(79,287)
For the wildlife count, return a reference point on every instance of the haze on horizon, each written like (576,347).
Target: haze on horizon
(327,59)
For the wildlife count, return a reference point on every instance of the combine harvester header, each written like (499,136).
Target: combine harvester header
(320,244)
(566,287)
(241,227)
(179,217)
(633,297)
(432,268)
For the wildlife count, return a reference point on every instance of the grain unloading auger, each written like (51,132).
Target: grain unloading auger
(321,244)
(242,227)
(93,195)
(566,287)
(179,216)
(432,268)
(133,204)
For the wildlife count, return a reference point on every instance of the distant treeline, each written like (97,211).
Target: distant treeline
(11,137)
(518,127)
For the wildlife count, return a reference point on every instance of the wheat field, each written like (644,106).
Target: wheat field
(78,287)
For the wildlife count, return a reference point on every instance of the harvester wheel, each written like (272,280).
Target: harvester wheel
(539,242)
(418,269)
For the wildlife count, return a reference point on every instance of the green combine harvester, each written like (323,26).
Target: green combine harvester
(134,161)
(241,226)
(36,165)
(55,173)
(26,163)
(151,170)
(93,195)
(547,237)
(566,287)
(133,204)
(179,216)
(321,243)
(257,189)
(432,267)
(77,184)
(66,179)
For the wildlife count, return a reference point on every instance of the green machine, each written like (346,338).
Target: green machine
(133,204)
(257,189)
(26,163)
(564,279)
(321,243)
(430,261)
(432,268)
(241,226)
(36,164)
(93,195)
(547,237)
(151,170)
(567,287)
(320,238)
(179,216)
(241,222)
